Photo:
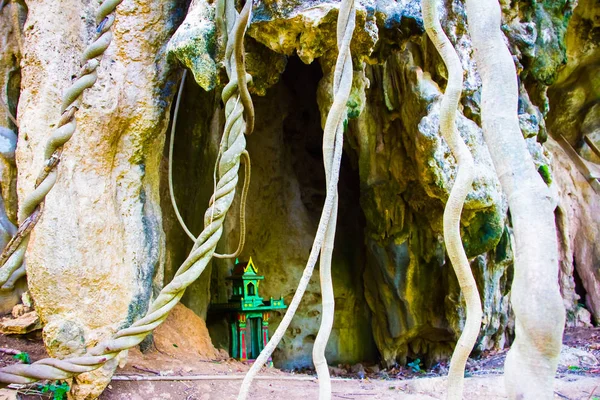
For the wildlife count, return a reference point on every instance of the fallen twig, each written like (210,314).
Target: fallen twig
(146,370)
(591,144)
(593,391)
(3,104)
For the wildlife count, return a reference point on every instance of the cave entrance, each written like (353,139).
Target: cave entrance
(351,340)
(285,201)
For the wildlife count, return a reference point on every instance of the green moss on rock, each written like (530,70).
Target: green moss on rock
(551,18)
(483,232)
(195,45)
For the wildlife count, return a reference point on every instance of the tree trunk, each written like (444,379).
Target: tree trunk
(539,313)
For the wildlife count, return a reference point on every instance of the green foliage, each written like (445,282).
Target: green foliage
(574,368)
(544,172)
(415,366)
(58,390)
(23,357)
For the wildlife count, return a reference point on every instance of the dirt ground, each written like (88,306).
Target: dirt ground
(577,379)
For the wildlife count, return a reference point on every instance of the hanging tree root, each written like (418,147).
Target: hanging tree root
(334,127)
(460,189)
(189,271)
(532,360)
(332,153)
(12,257)
(247,173)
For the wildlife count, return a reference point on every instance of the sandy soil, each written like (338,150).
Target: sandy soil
(484,380)
(484,387)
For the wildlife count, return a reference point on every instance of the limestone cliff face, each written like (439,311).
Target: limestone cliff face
(109,236)
(574,116)
(396,157)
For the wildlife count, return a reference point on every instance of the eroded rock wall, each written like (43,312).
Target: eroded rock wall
(574,120)
(12,17)
(404,168)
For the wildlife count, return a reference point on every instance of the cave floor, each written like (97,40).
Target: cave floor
(481,387)
(220,379)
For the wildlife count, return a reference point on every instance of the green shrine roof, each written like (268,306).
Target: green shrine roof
(246,270)
(246,282)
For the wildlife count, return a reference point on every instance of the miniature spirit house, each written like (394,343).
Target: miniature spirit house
(248,313)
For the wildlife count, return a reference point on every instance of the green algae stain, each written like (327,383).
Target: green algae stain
(483,233)
(551,19)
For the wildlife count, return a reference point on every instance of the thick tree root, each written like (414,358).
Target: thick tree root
(13,255)
(535,295)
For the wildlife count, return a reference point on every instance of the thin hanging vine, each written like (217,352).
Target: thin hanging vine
(323,243)
(334,127)
(247,173)
(202,251)
(460,189)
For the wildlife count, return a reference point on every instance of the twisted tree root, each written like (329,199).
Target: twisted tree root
(86,78)
(247,173)
(460,189)
(532,360)
(187,273)
(334,127)
(332,154)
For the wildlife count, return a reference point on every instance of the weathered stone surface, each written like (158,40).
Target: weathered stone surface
(194,43)
(574,357)
(12,17)
(573,97)
(309,28)
(21,325)
(93,255)
(19,310)
(537,32)
(574,113)
(578,226)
